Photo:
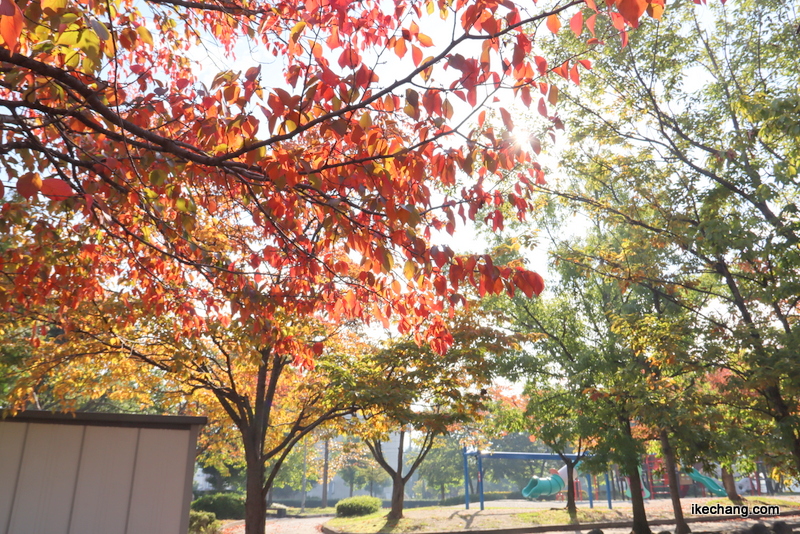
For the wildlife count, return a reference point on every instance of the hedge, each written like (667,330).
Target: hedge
(222,505)
(354,506)
(203,523)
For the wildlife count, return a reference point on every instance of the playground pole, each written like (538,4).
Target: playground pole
(608,490)
(466,479)
(480,478)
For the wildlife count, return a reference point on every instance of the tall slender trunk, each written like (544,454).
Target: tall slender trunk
(325,475)
(640,525)
(730,486)
(682,527)
(572,509)
(398,484)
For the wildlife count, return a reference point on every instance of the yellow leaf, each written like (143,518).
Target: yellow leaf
(297,30)
(145,35)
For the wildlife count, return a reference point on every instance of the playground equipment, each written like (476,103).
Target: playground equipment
(538,487)
(645,491)
(711,485)
(481,455)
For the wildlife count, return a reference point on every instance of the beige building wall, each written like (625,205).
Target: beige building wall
(96,473)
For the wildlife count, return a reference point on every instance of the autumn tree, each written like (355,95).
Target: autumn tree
(427,394)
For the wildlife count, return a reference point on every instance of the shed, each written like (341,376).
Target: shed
(94,473)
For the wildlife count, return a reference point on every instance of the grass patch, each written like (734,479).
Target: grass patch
(561,517)
(373,524)
(330,510)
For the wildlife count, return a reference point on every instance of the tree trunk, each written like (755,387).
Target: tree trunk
(730,486)
(352,483)
(325,475)
(681,526)
(398,497)
(398,483)
(640,525)
(442,493)
(572,509)
(255,506)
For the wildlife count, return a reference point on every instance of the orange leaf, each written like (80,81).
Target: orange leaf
(574,75)
(553,24)
(29,184)
(631,10)
(655,10)
(590,23)
(576,23)
(56,189)
(591,5)
(400,47)
(11,26)
(424,40)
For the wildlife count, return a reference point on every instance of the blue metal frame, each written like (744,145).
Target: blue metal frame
(519,456)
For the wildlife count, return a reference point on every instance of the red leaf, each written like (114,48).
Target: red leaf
(541,64)
(553,24)
(537,282)
(56,189)
(542,108)
(507,119)
(7,8)
(11,26)
(591,5)
(576,23)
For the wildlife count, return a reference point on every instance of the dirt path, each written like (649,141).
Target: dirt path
(290,525)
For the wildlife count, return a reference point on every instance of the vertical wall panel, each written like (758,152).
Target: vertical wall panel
(104,482)
(47,479)
(12,440)
(158,487)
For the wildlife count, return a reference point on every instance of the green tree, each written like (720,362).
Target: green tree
(443,467)
(701,162)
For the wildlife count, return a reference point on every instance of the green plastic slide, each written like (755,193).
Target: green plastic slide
(644,489)
(543,486)
(710,484)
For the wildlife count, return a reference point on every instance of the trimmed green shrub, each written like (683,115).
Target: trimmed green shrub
(222,505)
(353,506)
(203,523)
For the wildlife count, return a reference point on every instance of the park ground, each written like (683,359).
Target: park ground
(516,514)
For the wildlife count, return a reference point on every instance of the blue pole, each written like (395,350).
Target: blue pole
(608,490)
(466,479)
(480,478)
(591,498)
